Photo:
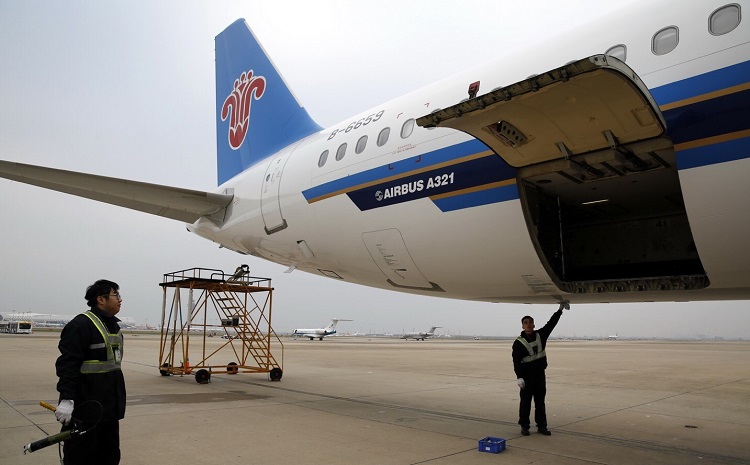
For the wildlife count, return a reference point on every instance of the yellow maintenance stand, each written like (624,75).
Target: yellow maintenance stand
(217,323)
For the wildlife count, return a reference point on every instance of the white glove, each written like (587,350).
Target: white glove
(521,383)
(64,411)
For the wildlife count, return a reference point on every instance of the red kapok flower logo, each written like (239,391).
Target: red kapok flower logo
(237,106)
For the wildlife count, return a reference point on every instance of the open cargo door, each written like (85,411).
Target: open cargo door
(582,107)
(596,174)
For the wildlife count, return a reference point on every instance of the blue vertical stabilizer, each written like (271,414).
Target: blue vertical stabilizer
(256,113)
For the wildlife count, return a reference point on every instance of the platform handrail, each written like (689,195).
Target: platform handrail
(240,276)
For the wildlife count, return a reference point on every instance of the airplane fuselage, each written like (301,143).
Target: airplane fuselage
(313,333)
(608,164)
(435,211)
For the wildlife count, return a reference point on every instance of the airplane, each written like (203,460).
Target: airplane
(606,165)
(318,333)
(421,336)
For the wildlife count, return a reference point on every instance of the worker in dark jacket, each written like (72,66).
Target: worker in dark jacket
(529,363)
(91,385)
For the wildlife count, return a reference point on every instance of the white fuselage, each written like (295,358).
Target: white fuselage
(313,333)
(292,211)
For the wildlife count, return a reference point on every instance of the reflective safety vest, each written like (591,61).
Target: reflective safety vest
(112,342)
(530,347)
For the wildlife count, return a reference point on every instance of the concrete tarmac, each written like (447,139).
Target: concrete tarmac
(378,401)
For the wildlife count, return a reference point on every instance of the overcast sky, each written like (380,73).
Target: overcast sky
(126,89)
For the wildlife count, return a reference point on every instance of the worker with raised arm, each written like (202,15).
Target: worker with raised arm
(529,363)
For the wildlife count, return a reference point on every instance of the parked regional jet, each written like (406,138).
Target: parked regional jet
(318,333)
(421,336)
(607,165)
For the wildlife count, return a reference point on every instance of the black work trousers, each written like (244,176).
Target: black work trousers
(536,388)
(99,446)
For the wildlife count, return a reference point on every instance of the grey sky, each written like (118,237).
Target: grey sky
(126,89)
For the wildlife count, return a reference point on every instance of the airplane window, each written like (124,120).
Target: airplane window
(361,144)
(383,136)
(407,128)
(323,158)
(724,20)
(618,51)
(341,151)
(665,40)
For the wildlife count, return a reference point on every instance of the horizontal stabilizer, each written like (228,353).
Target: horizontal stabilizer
(170,202)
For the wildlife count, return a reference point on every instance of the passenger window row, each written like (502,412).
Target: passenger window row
(406,130)
(722,21)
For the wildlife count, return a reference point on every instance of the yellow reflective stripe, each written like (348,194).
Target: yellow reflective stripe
(95,366)
(110,341)
(530,348)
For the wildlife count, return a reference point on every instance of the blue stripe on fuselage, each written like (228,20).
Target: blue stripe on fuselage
(478,179)
(446,178)
(475,199)
(721,115)
(712,154)
(725,118)
(702,84)
(399,170)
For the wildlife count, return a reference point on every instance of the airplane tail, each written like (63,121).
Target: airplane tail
(256,112)
(334,321)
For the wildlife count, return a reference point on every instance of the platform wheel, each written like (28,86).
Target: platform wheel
(164,370)
(275,374)
(202,376)
(232,368)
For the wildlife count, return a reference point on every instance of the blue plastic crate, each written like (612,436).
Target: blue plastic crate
(493,445)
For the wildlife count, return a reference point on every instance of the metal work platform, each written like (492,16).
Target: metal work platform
(225,327)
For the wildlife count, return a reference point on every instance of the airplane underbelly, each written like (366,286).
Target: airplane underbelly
(495,259)
(389,252)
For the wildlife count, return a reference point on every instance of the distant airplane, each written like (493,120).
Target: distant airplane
(319,333)
(612,337)
(609,164)
(421,336)
(51,320)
